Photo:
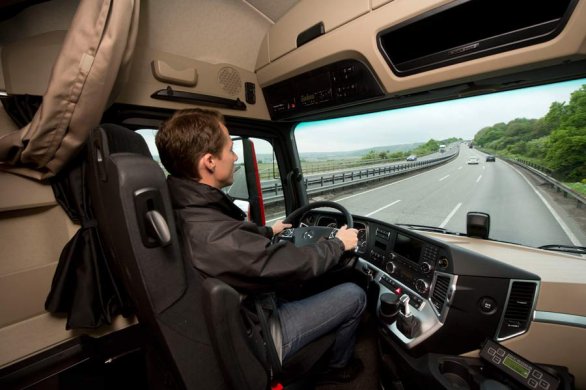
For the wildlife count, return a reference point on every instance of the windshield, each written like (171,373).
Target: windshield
(503,154)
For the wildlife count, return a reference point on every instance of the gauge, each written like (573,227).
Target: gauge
(332,225)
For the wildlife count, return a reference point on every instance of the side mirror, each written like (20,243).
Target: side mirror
(477,224)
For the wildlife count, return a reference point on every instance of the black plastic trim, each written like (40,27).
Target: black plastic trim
(451,25)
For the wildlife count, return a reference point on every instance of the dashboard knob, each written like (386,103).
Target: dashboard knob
(443,262)
(390,267)
(421,285)
(425,267)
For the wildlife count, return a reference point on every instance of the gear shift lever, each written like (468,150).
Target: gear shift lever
(406,321)
(404,301)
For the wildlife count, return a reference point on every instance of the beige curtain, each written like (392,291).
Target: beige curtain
(93,62)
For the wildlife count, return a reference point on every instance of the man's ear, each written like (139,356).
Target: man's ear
(208,163)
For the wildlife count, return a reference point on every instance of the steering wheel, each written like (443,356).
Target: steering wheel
(307,235)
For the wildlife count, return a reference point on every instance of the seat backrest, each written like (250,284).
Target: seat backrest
(135,219)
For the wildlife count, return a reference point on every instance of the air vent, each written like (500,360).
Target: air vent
(440,292)
(380,233)
(518,309)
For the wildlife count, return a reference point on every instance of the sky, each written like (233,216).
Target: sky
(460,118)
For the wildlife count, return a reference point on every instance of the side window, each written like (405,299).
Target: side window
(257,188)
(257,182)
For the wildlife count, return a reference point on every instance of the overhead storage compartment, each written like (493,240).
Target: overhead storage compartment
(468,29)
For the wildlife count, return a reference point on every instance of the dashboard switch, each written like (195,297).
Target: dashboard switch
(487,305)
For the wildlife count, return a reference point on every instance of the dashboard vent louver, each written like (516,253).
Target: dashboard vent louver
(380,233)
(518,309)
(440,292)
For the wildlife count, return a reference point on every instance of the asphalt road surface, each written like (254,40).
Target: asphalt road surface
(442,196)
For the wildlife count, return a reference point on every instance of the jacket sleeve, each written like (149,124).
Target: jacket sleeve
(240,255)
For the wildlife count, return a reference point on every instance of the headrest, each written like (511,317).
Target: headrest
(122,140)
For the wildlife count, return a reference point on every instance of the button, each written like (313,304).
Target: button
(532,382)
(544,385)
(491,351)
(487,305)
(500,352)
(537,374)
(496,359)
(398,290)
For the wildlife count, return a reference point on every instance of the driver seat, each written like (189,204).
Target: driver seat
(187,319)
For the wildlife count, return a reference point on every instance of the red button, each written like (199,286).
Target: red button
(398,291)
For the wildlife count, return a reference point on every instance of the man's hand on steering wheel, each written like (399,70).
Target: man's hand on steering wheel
(348,236)
(279,226)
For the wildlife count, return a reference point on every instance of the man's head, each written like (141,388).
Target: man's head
(195,144)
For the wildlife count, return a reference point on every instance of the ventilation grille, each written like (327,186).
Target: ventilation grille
(230,80)
(518,309)
(440,292)
(380,233)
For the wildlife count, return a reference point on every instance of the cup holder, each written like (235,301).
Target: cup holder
(457,375)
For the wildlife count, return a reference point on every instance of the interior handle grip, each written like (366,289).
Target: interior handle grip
(157,227)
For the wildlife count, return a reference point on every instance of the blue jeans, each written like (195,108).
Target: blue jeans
(339,308)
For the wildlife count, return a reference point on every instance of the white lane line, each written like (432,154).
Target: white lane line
(445,177)
(479,177)
(450,215)
(459,168)
(556,216)
(484,167)
(382,208)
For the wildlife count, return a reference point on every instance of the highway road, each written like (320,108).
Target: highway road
(442,197)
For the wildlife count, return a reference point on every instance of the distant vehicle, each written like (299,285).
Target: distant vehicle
(412,158)
(473,160)
(442,148)
(490,157)
(470,145)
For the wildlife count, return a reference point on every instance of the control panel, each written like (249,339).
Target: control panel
(407,259)
(523,371)
(329,86)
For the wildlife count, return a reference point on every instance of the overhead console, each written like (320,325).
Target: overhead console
(464,30)
(417,51)
(332,85)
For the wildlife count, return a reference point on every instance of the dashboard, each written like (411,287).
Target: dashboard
(442,286)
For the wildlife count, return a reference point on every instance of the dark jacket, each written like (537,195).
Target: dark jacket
(221,244)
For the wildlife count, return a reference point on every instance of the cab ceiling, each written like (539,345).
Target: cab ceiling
(174,26)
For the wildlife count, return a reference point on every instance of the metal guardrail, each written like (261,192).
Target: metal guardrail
(272,192)
(544,173)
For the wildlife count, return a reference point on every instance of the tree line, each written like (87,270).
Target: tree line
(431,146)
(556,141)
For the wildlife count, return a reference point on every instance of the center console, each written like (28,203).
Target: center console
(415,285)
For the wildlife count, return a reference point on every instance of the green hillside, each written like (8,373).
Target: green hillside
(557,141)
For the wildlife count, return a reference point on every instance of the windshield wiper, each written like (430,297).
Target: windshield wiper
(579,250)
(427,228)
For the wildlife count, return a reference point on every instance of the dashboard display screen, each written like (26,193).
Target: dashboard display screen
(408,247)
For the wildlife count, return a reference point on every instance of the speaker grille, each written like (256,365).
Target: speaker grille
(230,80)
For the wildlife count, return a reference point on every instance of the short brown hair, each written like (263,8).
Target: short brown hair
(184,138)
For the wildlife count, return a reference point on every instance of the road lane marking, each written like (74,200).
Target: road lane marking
(382,208)
(556,216)
(450,215)
(445,177)
(479,177)
(459,168)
